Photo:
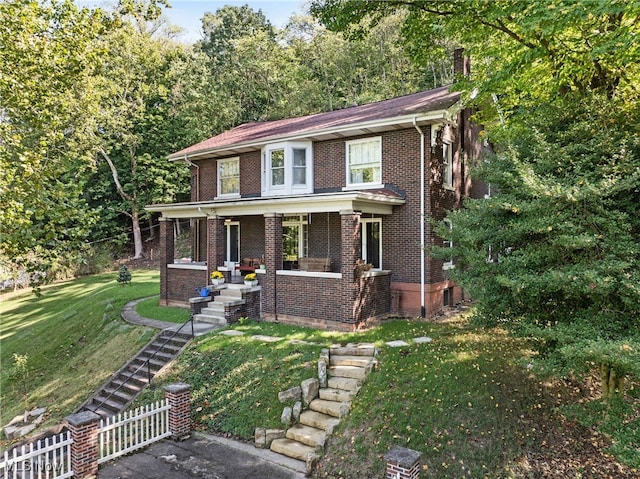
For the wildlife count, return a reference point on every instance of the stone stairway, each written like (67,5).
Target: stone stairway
(346,370)
(214,312)
(120,391)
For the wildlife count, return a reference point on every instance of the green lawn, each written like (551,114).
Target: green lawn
(466,400)
(73,338)
(150,308)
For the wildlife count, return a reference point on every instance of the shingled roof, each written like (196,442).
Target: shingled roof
(351,118)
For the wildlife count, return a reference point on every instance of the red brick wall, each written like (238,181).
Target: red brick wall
(309,297)
(250,173)
(181,284)
(251,236)
(323,243)
(373,298)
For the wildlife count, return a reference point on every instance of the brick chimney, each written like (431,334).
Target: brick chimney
(461,64)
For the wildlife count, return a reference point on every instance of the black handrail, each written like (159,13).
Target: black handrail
(190,320)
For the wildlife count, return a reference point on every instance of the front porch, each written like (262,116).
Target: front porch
(315,282)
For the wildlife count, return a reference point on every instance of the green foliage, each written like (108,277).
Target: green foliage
(124,275)
(47,58)
(554,252)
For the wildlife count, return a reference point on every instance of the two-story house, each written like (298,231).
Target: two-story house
(312,197)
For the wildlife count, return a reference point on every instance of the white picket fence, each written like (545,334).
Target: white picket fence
(47,458)
(121,434)
(132,430)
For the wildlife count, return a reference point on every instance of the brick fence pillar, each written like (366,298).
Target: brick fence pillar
(83,427)
(403,463)
(179,397)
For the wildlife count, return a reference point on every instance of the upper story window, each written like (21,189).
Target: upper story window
(287,168)
(364,161)
(229,177)
(447,165)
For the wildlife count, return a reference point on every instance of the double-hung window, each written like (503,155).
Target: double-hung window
(229,177)
(364,162)
(447,165)
(287,168)
(447,243)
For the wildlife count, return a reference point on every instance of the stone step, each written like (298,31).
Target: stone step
(319,420)
(331,408)
(213,309)
(292,449)
(120,395)
(360,361)
(364,349)
(231,291)
(354,372)
(348,384)
(307,435)
(111,405)
(339,395)
(159,354)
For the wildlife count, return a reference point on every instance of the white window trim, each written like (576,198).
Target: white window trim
(303,239)
(364,240)
(288,188)
(448,264)
(447,159)
(227,232)
(219,188)
(348,144)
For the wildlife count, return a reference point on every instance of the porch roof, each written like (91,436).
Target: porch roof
(378,201)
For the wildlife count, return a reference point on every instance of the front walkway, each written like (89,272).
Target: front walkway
(205,457)
(130,315)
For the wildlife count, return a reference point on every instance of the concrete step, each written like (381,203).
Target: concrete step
(111,405)
(348,384)
(360,361)
(364,349)
(293,449)
(331,408)
(210,318)
(307,435)
(213,309)
(231,291)
(339,395)
(228,300)
(120,395)
(354,372)
(159,354)
(319,420)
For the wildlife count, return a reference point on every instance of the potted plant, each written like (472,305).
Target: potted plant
(251,279)
(217,278)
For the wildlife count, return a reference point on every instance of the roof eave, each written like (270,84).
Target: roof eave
(342,130)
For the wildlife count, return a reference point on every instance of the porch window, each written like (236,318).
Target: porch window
(295,236)
(229,177)
(447,165)
(447,243)
(287,168)
(371,232)
(232,241)
(364,161)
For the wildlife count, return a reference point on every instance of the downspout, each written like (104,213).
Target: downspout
(422,257)
(191,163)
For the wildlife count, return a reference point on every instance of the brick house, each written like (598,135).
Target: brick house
(311,197)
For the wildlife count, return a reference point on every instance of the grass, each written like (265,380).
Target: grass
(465,401)
(73,339)
(150,308)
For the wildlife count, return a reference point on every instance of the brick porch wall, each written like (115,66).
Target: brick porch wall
(373,298)
(182,284)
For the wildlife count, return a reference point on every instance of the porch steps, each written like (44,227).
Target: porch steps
(119,392)
(347,371)
(230,295)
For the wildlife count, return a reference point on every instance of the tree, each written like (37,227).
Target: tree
(48,59)
(136,127)
(553,253)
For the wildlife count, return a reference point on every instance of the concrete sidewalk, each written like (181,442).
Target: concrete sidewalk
(203,456)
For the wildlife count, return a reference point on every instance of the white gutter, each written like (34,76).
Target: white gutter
(422,257)
(304,135)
